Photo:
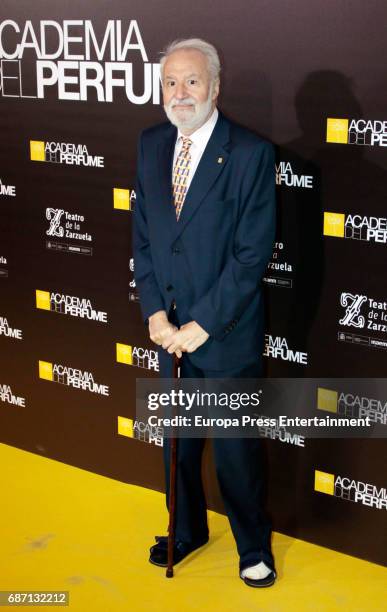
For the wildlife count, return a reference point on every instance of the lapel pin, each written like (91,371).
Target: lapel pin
(220,160)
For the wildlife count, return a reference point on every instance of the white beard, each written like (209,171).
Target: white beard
(189,120)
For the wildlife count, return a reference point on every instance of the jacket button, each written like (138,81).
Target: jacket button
(175,250)
(169,287)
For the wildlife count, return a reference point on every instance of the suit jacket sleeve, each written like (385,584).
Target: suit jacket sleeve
(150,297)
(221,307)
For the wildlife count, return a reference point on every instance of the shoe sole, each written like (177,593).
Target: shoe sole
(253,583)
(161,564)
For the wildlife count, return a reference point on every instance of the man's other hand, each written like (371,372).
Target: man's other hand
(186,339)
(160,329)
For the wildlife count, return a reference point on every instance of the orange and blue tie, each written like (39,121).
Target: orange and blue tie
(180,175)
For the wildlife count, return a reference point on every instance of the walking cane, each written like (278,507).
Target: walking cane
(172,485)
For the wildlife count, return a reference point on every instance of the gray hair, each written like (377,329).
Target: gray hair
(199,45)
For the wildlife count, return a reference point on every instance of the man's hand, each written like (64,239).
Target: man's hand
(187,339)
(160,329)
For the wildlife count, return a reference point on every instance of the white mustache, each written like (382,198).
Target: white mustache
(184,102)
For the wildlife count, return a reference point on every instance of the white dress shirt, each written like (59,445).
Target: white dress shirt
(199,139)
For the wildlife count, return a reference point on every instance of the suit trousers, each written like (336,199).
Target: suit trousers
(239,470)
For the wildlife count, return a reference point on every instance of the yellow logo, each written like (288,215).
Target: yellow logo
(45,370)
(124,353)
(37,150)
(334,224)
(43,300)
(121,199)
(337,130)
(327,399)
(125,427)
(324,482)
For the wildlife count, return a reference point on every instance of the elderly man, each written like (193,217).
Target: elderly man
(203,233)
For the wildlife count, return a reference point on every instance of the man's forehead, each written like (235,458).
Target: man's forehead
(189,61)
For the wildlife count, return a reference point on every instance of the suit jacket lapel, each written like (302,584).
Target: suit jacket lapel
(211,165)
(165,152)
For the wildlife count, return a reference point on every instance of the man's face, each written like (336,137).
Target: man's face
(189,95)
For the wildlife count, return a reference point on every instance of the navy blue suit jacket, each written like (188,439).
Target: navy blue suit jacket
(211,261)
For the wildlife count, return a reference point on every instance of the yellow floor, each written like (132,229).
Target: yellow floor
(63,528)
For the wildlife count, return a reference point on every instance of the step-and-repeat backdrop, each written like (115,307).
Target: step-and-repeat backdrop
(78,84)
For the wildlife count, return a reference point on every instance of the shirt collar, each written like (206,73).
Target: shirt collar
(201,136)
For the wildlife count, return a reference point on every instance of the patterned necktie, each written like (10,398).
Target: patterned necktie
(180,175)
